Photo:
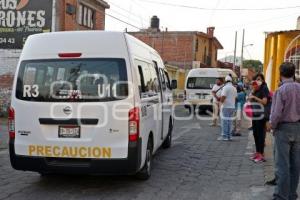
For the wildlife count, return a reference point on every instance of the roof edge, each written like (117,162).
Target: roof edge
(104,4)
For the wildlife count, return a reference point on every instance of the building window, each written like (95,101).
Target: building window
(85,16)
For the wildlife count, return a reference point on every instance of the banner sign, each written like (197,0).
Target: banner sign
(21,18)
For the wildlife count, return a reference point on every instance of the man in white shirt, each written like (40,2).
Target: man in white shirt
(228,98)
(216,92)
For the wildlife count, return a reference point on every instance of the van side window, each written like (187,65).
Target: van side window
(167,79)
(142,81)
(149,81)
(163,80)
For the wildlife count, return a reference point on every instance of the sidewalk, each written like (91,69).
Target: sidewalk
(269,165)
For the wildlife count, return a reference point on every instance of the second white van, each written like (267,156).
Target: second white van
(198,86)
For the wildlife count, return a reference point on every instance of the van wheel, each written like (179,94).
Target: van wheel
(168,141)
(145,172)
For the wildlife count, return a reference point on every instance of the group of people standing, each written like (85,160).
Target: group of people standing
(278,113)
(228,102)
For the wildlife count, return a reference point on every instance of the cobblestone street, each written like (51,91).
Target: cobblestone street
(196,167)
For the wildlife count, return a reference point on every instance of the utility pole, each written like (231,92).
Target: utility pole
(234,55)
(242,54)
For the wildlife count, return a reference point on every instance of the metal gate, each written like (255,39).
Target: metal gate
(292,54)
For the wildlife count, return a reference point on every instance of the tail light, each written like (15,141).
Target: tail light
(69,55)
(184,95)
(11,123)
(134,124)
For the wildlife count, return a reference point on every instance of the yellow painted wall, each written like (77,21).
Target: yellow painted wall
(203,43)
(275,45)
(177,74)
(181,80)
(214,57)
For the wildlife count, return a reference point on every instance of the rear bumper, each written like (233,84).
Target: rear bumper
(198,102)
(202,107)
(128,166)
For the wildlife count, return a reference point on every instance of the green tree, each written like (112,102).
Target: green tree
(256,64)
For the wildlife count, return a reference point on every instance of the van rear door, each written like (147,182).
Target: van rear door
(198,89)
(66,108)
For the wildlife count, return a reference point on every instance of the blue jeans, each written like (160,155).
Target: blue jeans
(227,117)
(287,161)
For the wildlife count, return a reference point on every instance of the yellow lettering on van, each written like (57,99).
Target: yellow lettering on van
(69,151)
(73,152)
(40,150)
(106,152)
(55,151)
(96,152)
(31,149)
(48,151)
(89,152)
(65,152)
(82,152)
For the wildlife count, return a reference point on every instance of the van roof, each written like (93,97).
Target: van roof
(211,72)
(90,44)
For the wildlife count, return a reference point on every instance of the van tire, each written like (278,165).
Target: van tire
(145,172)
(168,141)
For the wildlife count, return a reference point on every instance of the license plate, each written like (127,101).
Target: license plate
(200,96)
(69,131)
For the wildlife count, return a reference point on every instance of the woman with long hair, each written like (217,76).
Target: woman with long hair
(260,101)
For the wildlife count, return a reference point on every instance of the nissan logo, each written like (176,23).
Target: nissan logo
(67,110)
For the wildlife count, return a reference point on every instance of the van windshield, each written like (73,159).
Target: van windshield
(78,80)
(201,82)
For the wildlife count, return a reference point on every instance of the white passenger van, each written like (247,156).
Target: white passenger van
(90,102)
(198,86)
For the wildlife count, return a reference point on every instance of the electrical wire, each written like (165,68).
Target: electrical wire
(116,18)
(130,13)
(123,15)
(221,9)
(251,23)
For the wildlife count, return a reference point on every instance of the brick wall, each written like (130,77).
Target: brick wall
(179,48)
(69,22)
(9,60)
(6,81)
(8,63)
(174,47)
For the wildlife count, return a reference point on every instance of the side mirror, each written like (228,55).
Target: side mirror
(174,84)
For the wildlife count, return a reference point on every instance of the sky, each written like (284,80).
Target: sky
(225,15)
